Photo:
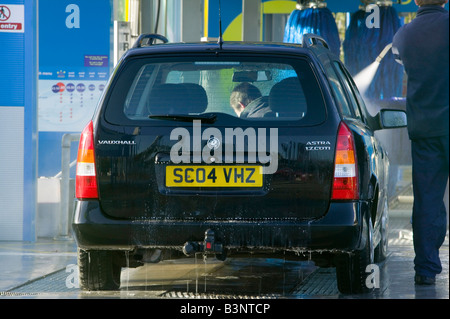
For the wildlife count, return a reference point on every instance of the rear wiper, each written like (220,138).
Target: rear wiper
(206,118)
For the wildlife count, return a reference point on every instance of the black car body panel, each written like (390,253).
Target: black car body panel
(131,156)
(158,148)
(297,190)
(338,230)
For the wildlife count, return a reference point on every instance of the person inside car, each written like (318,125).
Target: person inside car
(247,101)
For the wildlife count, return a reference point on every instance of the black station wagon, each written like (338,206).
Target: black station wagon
(169,168)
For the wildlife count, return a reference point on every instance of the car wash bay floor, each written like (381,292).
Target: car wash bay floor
(47,269)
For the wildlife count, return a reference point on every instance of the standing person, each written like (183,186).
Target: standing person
(422,46)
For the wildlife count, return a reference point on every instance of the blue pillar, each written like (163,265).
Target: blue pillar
(18,119)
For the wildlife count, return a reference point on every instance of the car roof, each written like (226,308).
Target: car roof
(226,47)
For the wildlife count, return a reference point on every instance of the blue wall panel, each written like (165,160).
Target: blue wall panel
(12,74)
(72,35)
(18,80)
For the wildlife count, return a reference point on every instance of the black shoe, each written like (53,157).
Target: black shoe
(424,280)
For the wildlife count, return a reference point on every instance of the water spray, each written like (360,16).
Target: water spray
(365,77)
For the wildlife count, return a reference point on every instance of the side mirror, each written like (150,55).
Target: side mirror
(391,119)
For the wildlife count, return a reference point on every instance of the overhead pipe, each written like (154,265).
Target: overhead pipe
(301,5)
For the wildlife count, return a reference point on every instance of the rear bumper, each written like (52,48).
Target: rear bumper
(339,230)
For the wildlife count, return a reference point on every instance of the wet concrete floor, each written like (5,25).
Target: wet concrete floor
(47,269)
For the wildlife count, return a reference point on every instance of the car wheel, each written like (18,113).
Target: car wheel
(382,248)
(351,268)
(97,270)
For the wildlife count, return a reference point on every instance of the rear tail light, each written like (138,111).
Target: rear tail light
(345,184)
(86,180)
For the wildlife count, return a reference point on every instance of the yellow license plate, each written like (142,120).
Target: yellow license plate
(214,176)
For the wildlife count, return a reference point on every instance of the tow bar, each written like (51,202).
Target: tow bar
(208,246)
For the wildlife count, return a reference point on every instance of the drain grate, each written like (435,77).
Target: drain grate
(322,282)
(192,295)
(51,283)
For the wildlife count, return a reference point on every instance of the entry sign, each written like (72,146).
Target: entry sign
(12,18)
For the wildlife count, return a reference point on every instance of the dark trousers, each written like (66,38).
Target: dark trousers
(430,165)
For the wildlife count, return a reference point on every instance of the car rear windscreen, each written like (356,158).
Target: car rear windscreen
(249,88)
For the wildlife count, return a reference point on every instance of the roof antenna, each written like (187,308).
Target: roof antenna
(220,41)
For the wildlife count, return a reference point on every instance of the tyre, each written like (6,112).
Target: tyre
(351,268)
(97,270)
(382,247)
